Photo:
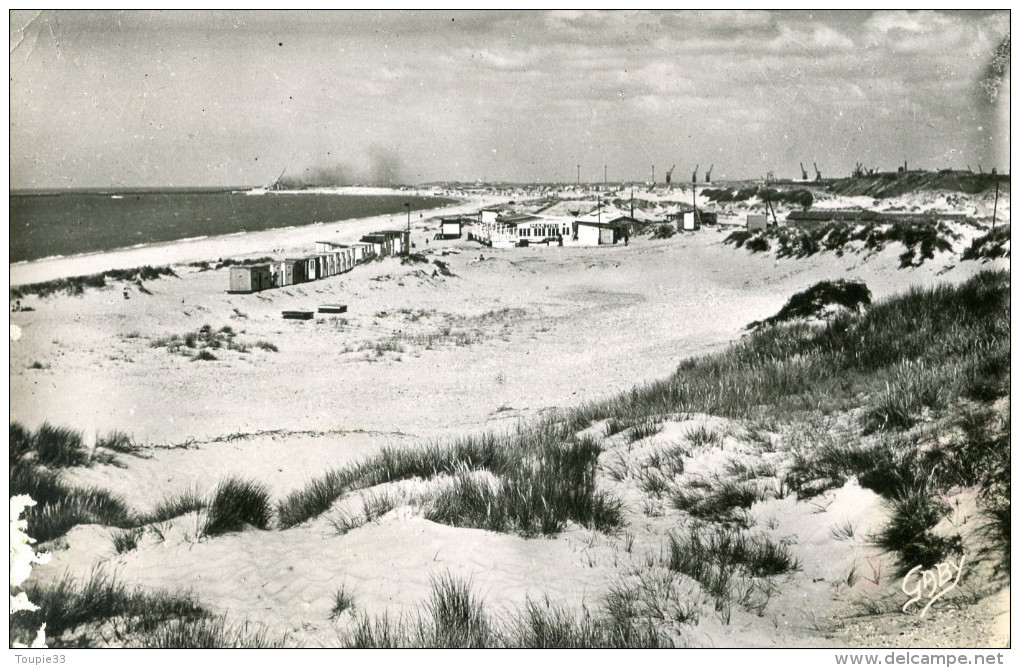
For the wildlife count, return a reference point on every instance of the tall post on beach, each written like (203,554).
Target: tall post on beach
(694,193)
(995,207)
(407,245)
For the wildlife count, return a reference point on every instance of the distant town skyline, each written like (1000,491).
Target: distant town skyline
(195,98)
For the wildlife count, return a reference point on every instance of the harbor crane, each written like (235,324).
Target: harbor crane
(669,175)
(694,176)
(803,172)
(708,174)
(818,174)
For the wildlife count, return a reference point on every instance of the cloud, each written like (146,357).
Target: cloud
(164,95)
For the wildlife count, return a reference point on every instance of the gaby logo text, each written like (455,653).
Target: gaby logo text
(931,584)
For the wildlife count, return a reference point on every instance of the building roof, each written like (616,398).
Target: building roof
(516,218)
(607,225)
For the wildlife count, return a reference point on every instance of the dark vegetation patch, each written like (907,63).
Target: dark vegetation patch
(100,611)
(816,301)
(989,246)
(443,268)
(921,239)
(715,500)
(76,285)
(414,258)
(36,462)
(200,344)
(664,231)
(731,565)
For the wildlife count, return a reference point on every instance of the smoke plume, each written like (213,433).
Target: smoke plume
(382,167)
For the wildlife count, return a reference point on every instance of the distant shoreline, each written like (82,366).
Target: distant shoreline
(275,241)
(84,222)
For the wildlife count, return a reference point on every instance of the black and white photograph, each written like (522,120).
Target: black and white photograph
(510,329)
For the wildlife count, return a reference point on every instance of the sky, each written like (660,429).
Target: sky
(194,98)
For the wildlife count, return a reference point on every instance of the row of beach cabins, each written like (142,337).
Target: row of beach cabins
(330,259)
(487,227)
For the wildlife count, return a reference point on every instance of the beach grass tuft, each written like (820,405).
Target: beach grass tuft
(236,504)
(175,505)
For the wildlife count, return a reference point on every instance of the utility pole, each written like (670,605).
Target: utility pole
(605,174)
(995,207)
(407,244)
(694,194)
(579,175)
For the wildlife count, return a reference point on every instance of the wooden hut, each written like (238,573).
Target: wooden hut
(250,279)
(294,271)
(757,221)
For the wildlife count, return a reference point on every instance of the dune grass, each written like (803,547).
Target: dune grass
(454,617)
(909,534)
(200,344)
(76,285)
(901,363)
(54,447)
(99,610)
(958,336)
(716,499)
(175,505)
(719,557)
(989,246)
(537,497)
(237,503)
(37,462)
(77,505)
(457,615)
(643,430)
(126,540)
(70,605)
(546,477)
(920,239)
(62,506)
(207,633)
(343,600)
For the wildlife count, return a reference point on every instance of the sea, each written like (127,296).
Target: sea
(70,222)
